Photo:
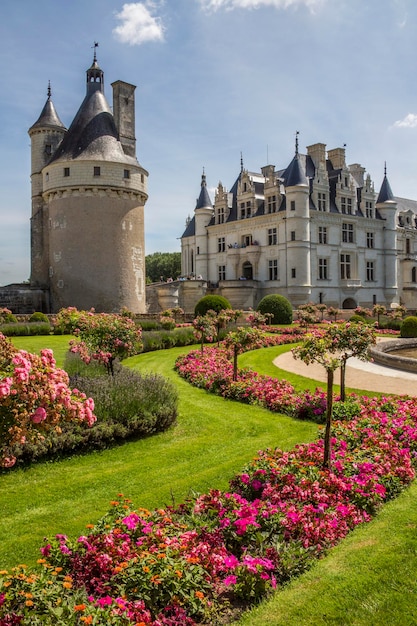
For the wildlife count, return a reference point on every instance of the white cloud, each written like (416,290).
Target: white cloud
(410,121)
(229,5)
(138,25)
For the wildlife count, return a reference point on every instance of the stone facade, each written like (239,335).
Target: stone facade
(315,231)
(88,197)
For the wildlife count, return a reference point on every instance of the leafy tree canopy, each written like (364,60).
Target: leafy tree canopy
(162,264)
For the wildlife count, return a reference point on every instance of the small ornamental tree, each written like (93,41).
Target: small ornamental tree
(339,343)
(106,337)
(316,350)
(34,398)
(205,328)
(333,312)
(348,340)
(257,319)
(225,317)
(378,310)
(240,340)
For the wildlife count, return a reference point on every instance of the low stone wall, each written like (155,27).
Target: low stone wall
(383,353)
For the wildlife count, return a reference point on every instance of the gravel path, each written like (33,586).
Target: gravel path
(359,375)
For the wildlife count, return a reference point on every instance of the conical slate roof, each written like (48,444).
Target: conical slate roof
(92,134)
(294,174)
(203,200)
(49,117)
(385,193)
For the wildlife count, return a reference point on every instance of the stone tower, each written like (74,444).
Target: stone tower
(88,197)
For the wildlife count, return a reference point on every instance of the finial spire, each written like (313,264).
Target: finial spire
(203,178)
(95,46)
(49,90)
(241,162)
(297,132)
(385,168)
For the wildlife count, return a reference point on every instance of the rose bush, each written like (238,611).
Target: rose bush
(34,397)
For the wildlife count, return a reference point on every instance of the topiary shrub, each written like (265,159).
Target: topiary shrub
(409,327)
(357,319)
(211,303)
(279,306)
(37,316)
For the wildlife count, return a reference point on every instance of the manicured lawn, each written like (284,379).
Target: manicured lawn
(370,579)
(214,438)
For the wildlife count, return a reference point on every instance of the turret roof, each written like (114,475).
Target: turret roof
(203,200)
(93,134)
(385,193)
(48,118)
(294,174)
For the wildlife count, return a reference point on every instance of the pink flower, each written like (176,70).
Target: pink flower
(39,415)
(230,580)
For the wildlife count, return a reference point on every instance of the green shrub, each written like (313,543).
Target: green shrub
(408,327)
(6,316)
(21,330)
(37,316)
(148,325)
(211,303)
(279,306)
(127,406)
(157,340)
(358,319)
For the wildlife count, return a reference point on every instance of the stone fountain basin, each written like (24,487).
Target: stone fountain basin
(384,353)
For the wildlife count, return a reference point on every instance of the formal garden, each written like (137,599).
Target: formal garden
(200,484)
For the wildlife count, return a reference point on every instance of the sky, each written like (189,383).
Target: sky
(216,80)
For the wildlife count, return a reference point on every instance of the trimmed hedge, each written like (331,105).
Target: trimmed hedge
(25,330)
(279,306)
(211,303)
(409,327)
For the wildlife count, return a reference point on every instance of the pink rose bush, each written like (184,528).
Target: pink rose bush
(104,337)
(34,397)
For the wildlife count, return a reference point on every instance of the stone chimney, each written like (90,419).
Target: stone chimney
(124,115)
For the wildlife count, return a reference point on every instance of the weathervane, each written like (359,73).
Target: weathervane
(95,46)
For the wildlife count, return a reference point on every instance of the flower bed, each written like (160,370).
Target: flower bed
(217,553)
(213,371)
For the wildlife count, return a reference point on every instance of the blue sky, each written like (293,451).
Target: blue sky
(215,78)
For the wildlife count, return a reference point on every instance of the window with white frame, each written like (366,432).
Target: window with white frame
(347,232)
(369,209)
(321,204)
(369,240)
(322,234)
(370,273)
(323,275)
(272,236)
(221,244)
(345,266)
(346,205)
(222,272)
(273,269)
(272,204)
(220,215)
(246,240)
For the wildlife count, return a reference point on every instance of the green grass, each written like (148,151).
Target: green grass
(368,580)
(214,438)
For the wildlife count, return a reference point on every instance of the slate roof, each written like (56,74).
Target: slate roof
(385,193)
(48,118)
(203,200)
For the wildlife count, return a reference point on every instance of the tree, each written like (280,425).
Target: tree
(105,337)
(348,340)
(240,340)
(205,328)
(162,264)
(332,350)
(378,310)
(316,350)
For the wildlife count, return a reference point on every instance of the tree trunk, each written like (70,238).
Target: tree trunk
(327,443)
(343,381)
(235,353)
